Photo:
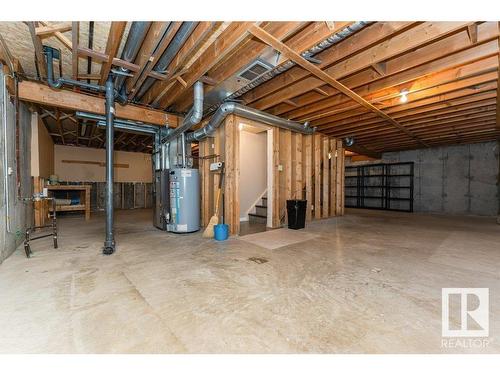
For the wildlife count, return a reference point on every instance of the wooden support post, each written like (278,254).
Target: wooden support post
(287,153)
(308,173)
(333,177)
(340,149)
(317,176)
(215,146)
(204,165)
(276,179)
(326,178)
(298,179)
(340,174)
(75,27)
(231,151)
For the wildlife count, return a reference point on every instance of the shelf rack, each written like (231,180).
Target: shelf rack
(382,186)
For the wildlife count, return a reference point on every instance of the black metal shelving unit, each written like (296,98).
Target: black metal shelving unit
(382,186)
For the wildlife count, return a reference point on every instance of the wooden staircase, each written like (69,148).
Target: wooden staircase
(260,215)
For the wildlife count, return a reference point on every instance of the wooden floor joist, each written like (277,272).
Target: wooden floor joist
(298,59)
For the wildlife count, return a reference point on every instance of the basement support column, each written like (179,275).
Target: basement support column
(109,243)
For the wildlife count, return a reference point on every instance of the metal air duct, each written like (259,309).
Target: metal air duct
(249,113)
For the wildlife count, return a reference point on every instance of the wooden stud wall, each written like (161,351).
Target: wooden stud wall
(304,166)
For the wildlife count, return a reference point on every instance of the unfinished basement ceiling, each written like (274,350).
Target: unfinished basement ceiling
(447,71)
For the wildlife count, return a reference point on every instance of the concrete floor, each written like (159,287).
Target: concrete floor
(369,282)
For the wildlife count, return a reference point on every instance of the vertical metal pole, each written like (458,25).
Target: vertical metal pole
(109,243)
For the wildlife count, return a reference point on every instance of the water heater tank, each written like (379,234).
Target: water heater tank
(184,192)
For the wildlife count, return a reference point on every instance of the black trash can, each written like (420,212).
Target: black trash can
(296,210)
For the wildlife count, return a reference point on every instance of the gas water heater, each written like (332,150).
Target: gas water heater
(177,190)
(184,200)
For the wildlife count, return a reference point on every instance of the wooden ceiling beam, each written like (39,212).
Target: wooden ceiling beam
(112,45)
(387,139)
(49,30)
(222,46)
(426,52)
(461,64)
(385,132)
(151,41)
(35,92)
(298,59)
(37,44)
(467,86)
(245,54)
(498,79)
(178,65)
(422,113)
(75,41)
(60,36)
(101,57)
(151,62)
(368,37)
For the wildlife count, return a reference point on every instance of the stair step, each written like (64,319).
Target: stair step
(261,205)
(256,218)
(261,210)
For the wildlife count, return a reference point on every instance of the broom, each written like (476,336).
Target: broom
(214,220)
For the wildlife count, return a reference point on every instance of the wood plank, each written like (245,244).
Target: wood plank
(75,35)
(326,177)
(227,41)
(340,178)
(98,163)
(287,154)
(308,139)
(318,140)
(48,30)
(146,50)
(276,220)
(40,56)
(39,93)
(405,42)
(153,59)
(298,59)
(498,80)
(333,177)
(112,45)
(297,160)
(216,145)
(61,37)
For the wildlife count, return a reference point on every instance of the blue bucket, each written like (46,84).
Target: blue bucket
(221,232)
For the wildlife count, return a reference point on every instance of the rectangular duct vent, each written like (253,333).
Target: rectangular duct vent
(255,69)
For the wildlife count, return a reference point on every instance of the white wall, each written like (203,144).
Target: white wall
(253,169)
(139,165)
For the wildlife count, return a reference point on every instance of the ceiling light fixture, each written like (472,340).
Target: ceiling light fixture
(404,96)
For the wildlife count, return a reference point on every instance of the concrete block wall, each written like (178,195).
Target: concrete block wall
(459,179)
(15,219)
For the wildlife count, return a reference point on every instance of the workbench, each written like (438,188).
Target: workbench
(84,198)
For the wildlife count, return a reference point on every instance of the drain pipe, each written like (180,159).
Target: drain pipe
(58,83)
(249,113)
(136,35)
(109,243)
